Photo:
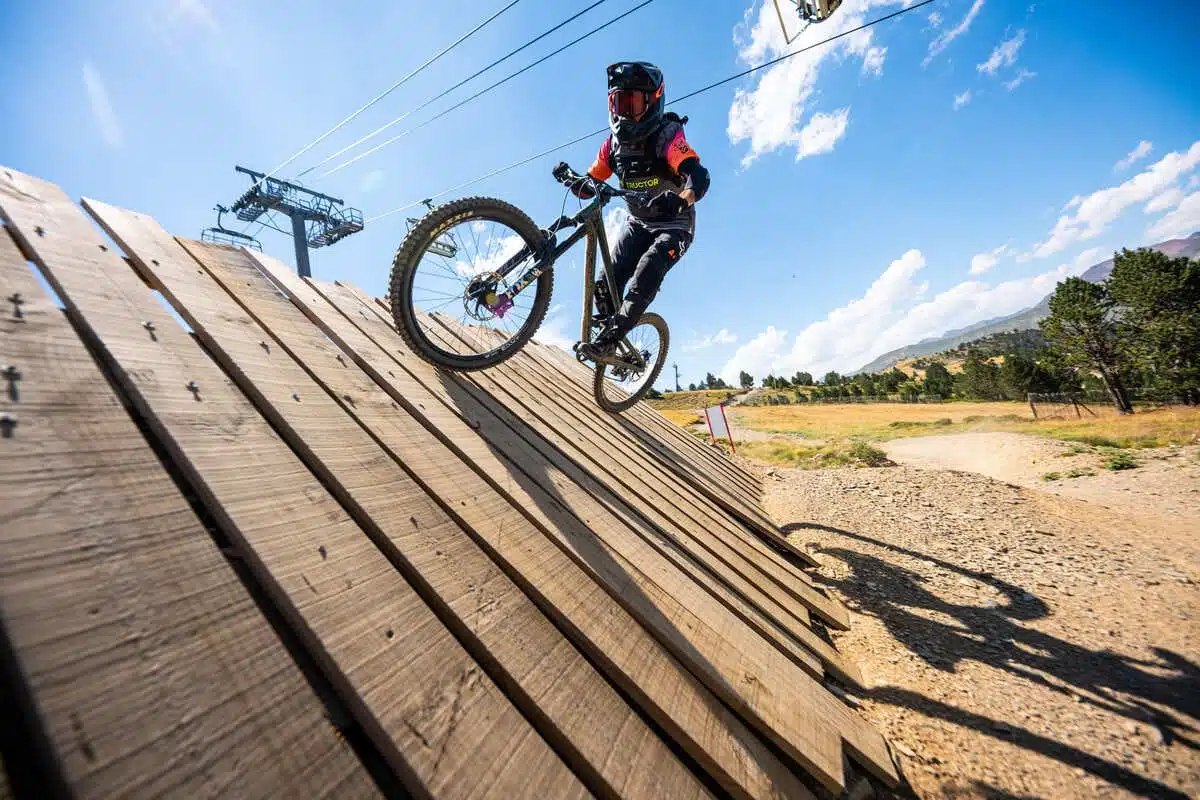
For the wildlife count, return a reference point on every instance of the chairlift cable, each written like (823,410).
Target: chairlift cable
(439,96)
(462,103)
(701,90)
(387,91)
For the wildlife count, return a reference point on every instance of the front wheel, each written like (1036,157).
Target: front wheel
(637,362)
(447,265)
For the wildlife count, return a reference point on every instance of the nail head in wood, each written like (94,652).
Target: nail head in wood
(40,231)
(194,389)
(17,301)
(12,375)
(7,423)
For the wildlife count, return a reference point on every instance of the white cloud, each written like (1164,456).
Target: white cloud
(1004,55)
(1088,258)
(943,40)
(722,336)
(1022,76)
(102,110)
(892,313)
(961,100)
(873,61)
(194,12)
(1093,214)
(775,113)
(759,356)
(1136,154)
(1183,221)
(822,132)
(1168,199)
(552,332)
(371,181)
(614,222)
(935,19)
(984,261)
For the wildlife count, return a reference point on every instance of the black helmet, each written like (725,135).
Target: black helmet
(635,99)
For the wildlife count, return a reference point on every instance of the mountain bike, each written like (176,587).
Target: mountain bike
(504,276)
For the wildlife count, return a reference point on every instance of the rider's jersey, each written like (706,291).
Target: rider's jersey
(651,165)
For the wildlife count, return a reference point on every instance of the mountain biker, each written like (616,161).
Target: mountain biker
(647,151)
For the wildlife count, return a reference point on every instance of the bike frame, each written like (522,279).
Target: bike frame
(589,224)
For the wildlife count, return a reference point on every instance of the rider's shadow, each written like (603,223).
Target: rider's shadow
(948,635)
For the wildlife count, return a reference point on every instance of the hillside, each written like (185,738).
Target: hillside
(1026,319)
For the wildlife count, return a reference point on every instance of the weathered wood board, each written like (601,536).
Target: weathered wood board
(596,732)
(712,658)
(493,587)
(502,514)
(333,586)
(147,666)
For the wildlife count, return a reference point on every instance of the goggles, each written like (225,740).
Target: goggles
(627,103)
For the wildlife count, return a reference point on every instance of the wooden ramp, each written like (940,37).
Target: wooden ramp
(254,547)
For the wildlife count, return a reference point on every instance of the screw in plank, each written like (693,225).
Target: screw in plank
(17,301)
(12,375)
(7,423)
(40,231)
(149,326)
(265,346)
(194,389)
(296,397)
(341,360)
(104,247)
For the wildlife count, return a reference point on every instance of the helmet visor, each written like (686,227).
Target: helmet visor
(627,103)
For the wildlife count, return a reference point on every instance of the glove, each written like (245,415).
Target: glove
(668,204)
(562,172)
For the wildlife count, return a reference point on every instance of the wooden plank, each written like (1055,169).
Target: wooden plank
(713,537)
(789,641)
(702,635)
(733,534)
(745,507)
(546,677)
(438,720)
(588,455)
(756,679)
(621,428)
(660,433)
(148,664)
(764,614)
(501,518)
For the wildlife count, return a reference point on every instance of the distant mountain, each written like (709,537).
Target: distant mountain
(1022,320)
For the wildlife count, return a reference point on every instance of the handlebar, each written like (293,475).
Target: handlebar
(569,178)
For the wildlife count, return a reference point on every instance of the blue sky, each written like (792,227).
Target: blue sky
(941,168)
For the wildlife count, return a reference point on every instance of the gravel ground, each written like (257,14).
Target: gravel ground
(1018,643)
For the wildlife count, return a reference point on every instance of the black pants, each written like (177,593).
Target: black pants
(641,259)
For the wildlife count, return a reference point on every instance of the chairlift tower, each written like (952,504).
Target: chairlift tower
(318,220)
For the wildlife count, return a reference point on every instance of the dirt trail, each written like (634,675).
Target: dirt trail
(1019,642)
(1165,485)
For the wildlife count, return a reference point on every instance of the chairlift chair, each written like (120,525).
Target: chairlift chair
(219,234)
(810,12)
(444,245)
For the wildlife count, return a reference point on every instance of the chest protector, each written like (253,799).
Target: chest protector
(642,166)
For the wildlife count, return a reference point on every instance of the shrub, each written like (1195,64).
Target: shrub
(1120,460)
(1051,476)
(870,455)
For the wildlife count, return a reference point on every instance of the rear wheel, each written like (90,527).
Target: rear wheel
(639,359)
(446,266)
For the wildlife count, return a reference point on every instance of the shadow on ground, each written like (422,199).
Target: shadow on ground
(991,635)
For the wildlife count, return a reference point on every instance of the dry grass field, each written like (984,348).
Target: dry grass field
(883,421)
